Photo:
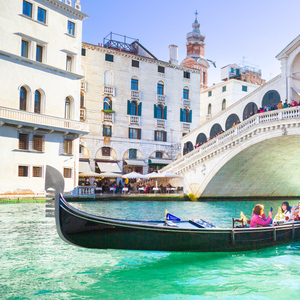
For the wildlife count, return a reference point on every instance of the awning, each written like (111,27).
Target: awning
(135,162)
(159,161)
(84,167)
(296,90)
(111,167)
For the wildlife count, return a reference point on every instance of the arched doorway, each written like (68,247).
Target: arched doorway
(250,109)
(270,98)
(201,138)
(188,147)
(232,119)
(215,130)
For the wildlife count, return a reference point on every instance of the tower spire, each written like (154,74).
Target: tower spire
(196,15)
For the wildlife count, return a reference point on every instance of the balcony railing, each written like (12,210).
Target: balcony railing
(108,117)
(134,120)
(160,123)
(20,117)
(84,86)
(186,103)
(161,99)
(186,126)
(135,94)
(109,90)
(82,114)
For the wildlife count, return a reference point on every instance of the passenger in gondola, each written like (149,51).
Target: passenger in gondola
(286,210)
(296,212)
(259,217)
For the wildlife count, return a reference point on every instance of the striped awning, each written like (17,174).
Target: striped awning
(84,167)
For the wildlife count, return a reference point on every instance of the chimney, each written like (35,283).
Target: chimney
(173,54)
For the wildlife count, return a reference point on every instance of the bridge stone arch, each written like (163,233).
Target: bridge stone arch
(249,110)
(232,119)
(270,98)
(201,138)
(216,128)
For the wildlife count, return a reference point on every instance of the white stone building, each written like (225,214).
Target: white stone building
(40,59)
(137,106)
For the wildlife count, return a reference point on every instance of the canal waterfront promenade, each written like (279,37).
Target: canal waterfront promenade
(35,263)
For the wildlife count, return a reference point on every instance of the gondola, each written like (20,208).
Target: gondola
(90,231)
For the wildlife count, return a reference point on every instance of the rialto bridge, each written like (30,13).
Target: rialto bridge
(260,156)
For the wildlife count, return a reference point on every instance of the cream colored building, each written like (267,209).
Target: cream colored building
(137,106)
(40,59)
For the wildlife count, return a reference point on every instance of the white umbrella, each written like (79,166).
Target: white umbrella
(150,175)
(133,175)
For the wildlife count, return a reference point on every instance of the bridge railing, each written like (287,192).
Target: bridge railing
(260,118)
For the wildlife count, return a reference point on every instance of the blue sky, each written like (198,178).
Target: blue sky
(255,29)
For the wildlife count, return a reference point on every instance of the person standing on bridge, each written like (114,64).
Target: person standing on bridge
(280,105)
(285,105)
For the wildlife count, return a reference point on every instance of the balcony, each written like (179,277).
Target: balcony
(161,123)
(22,118)
(82,114)
(186,126)
(108,117)
(109,90)
(135,94)
(134,120)
(161,99)
(83,86)
(186,103)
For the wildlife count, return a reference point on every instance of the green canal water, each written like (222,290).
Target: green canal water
(36,264)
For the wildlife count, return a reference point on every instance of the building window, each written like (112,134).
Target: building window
(27,9)
(37,172)
(67,173)
(158,154)
(24,49)
(244,88)
(41,15)
(209,109)
(39,53)
(23,141)
(133,108)
(209,93)
(224,88)
(68,145)
(107,104)
(185,94)
(161,69)
(132,154)
(23,98)
(82,100)
(134,84)
(135,63)
(23,171)
(159,112)
(204,78)
(186,75)
(71,28)
(83,51)
(69,63)
(160,136)
(135,133)
(109,57)
(38,143)
(106,130)
(224,104)
(106,151)
(67,108)
(37,102)
(185,115)
(160,89)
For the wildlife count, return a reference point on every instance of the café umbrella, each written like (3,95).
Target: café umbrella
(133,175)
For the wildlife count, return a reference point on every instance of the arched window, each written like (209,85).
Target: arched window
(224,104)
(133,108)
(186,93)
(201,139)
(134,84)
(270,98)
(160,88)
(209,109)
(160,112)
(37,102)
(23,98)
(107,104)
(250,109)
(185,115)
(187,147)
(68,108)
(232,120)
(215,130)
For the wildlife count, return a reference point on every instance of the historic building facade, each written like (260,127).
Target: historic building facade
(40,92)
(137,106)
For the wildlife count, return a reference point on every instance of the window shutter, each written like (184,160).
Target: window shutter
(181,115)
(155,135)
(155,111)
(128,107)
(140,109)
(139,133)
(164,136)
(129,133)
(165,112)
(190,117)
